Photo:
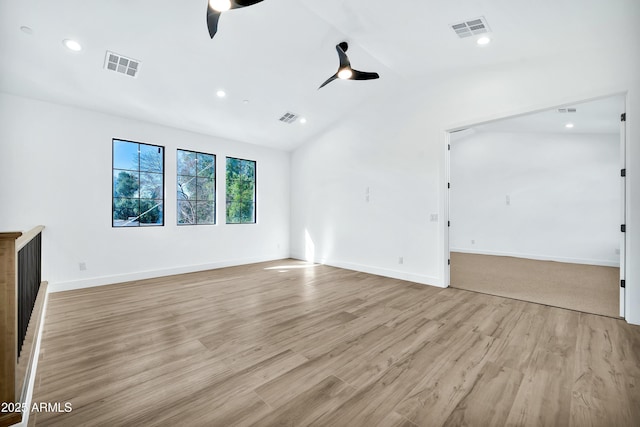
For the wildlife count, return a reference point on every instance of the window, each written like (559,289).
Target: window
(241,191)
(138,184)
(196,188)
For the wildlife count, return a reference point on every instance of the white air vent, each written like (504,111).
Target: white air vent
(121,64)
(566,110)
(471,27)
(289,118)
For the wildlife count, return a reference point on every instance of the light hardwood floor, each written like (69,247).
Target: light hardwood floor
(287,343)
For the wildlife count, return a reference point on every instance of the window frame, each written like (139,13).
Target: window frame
(113,168)
(255,192)
(215,187)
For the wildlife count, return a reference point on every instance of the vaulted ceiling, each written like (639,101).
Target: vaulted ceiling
(599,116)
(271,57)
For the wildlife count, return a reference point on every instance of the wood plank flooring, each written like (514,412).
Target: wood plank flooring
(292,344)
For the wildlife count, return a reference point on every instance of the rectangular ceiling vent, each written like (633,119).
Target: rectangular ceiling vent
(566,110)
(121,64)
(471,27)
(288,118)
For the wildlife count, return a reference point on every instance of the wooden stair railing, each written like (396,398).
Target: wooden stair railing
(19,319)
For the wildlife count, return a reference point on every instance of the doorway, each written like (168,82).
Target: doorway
(535,207)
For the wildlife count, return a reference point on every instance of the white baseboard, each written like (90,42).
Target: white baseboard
(603,263)
(142,275)
(385,272)
(632,320)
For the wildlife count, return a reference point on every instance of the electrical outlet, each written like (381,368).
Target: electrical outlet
(617,251)
(508,200)
(401,260)
(82,266)
(434,217)
(473,242)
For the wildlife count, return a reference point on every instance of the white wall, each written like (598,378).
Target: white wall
(564,195)
(396,145)
(55,170)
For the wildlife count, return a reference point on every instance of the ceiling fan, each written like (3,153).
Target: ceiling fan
(216,7)
(345,71)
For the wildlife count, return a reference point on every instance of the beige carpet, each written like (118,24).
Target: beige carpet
(587,288)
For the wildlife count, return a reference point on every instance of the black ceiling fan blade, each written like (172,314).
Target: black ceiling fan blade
(364,75)
(243,3)
(213,15)
(212,21)
(344,59)
(345,67)
(329,80)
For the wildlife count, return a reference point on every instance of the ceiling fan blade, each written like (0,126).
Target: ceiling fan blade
(344,59)
(243,3)
(213,15)
(363,75)
(212,21)
(329,80)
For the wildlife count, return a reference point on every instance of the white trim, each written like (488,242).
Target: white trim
(385,272)
(446,230)
(632,286)
(603,263)
(142,275)
(630,316)
(623,213)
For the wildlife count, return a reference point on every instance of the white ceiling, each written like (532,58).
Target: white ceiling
(597,116)
(274,54)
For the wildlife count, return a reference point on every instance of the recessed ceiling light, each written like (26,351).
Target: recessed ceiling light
(569,125)
(72,45)
(345,74)
(221,94)
(483,41)
(303,120)
(220,5)
(245,101)
(26,30)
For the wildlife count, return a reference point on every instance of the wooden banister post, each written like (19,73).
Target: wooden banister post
(8,316)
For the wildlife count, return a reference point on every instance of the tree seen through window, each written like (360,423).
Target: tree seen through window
(241,191)
(196,188)
(138,184)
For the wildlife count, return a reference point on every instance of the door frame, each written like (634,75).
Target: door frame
(624,244)
(623,213)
